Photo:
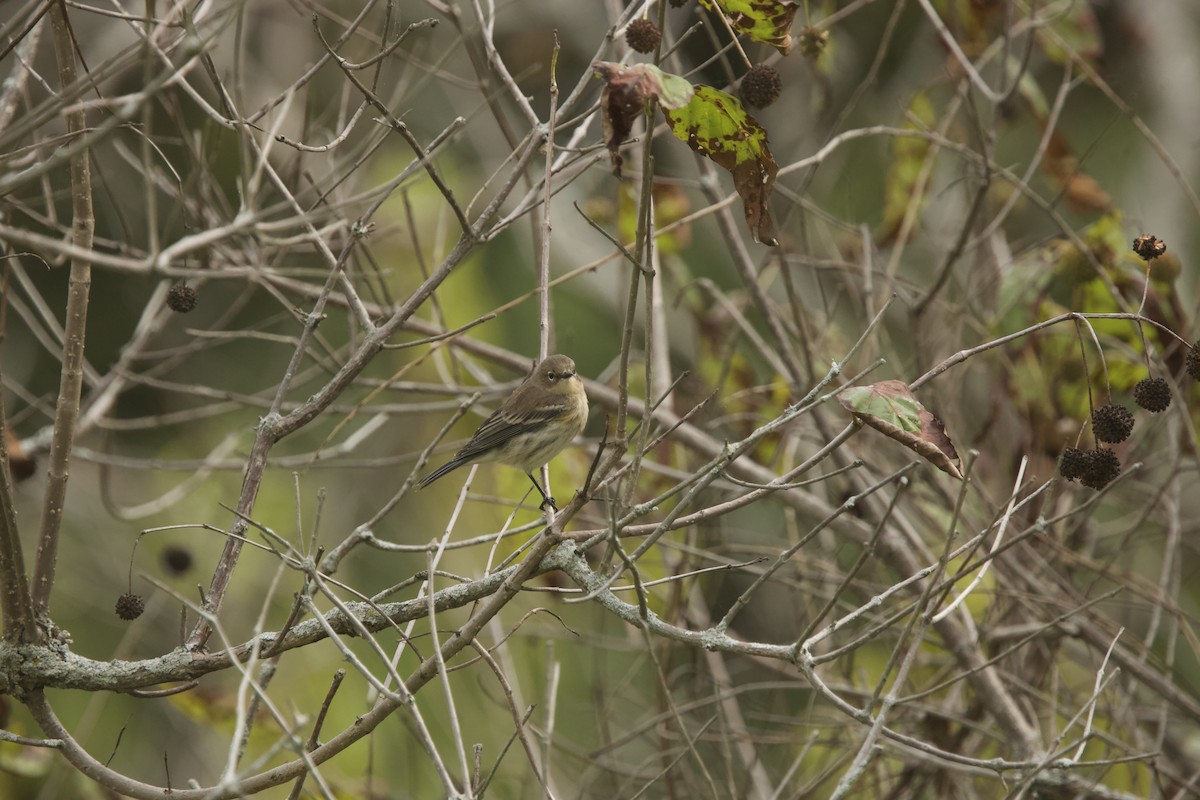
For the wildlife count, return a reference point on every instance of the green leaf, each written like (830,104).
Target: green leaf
(908,159)
(672,91)
(767,21)
(715,125)
(1028,89)
(671,204)
(1074,30)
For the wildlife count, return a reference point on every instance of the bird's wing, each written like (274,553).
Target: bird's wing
(504,425)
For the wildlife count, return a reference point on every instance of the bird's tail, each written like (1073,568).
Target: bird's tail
(449,466)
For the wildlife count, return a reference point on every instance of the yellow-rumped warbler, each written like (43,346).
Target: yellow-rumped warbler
(534,424)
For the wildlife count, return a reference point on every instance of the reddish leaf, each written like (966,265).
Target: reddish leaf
(20,465)
(891,408)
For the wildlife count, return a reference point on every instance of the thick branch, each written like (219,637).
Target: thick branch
(33,667)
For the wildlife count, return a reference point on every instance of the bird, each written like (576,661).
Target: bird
(532,426)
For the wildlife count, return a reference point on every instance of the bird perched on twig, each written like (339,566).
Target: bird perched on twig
(534,424)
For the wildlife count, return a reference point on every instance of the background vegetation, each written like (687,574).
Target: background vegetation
(385,212)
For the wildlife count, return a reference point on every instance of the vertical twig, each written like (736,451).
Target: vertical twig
(83,225)
(16,607)
(544,332)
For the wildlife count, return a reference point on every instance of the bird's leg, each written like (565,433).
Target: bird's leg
(547,500)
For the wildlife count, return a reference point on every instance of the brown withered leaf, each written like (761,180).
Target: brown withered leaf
(626,91)
(1082,192)
(891,408)
(21,465)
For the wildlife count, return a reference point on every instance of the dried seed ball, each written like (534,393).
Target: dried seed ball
(1112,423)
(130,606)
(761,86)
(643,35)
(1149,247)
(181,298)
(1072,463)
(1166,268)
(1152,394)
(177,560)
(1192,362)
(1103,467)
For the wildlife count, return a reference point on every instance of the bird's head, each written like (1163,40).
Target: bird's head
(556,374)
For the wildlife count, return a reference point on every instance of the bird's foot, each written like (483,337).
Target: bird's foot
(548,501)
